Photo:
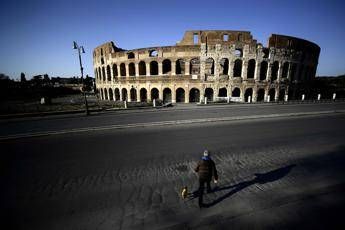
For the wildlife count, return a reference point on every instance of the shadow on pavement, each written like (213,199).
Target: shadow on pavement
(260,178)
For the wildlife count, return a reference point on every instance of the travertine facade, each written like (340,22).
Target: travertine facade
(212,64)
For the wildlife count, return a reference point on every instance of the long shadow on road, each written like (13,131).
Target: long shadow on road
(260,178)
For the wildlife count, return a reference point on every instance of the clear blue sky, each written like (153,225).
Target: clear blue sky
(37,35)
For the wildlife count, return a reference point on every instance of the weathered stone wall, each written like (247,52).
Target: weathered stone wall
(205,64)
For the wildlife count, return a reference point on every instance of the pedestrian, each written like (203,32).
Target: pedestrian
(206,169)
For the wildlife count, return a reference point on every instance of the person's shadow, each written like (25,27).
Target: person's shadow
(260,178)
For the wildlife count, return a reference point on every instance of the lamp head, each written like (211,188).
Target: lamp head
(82,49)
(75,46)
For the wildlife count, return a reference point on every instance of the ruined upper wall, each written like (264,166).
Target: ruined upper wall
(196,37)
(293,43)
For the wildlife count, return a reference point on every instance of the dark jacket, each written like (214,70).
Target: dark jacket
(206,168)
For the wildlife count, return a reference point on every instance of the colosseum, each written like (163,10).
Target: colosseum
(207,65)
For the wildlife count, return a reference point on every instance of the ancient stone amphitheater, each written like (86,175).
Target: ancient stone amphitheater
(212,64)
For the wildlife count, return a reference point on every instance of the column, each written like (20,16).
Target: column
(269,71)
(257,70)
(244,69)
(138,94)
(118,71)
(186,95)
(187,67)
(160,94)
(148,70)
(276,94)
(255,94)
(127,72)
(121,96)
(148,94)
(202,94)
(173,94)
(266,95)
(231,68)
(160,68)
(129,93)
(280,71)
(173,67)
(136,69)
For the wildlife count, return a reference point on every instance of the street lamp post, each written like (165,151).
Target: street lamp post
(81,50)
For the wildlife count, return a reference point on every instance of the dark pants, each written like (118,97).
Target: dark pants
(201,188)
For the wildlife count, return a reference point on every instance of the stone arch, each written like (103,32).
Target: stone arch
(166,64)
(115,73)
(117,94)
(153,68)
(236,92)
(194,95)
(180,66)
(238,53)
(131,69)
(154,93)
(209,66)
(167,95)
(153,53)
(108,73)
(263,70)
(103,73)
(133,94)
(130,55)
(194,66)
(180,95)
(105,94)
(272,94)
(260,95)
(209,94)
(251,69)
(238,68)
(111,95)
(122,69)
(248,92)
(224,63)
(142,68)
(143,95)
(281,94)
(223,92)
(124,94)
(285,70)
(274,71)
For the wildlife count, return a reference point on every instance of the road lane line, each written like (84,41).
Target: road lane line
(162,123)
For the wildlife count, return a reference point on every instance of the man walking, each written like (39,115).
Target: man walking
(206,168)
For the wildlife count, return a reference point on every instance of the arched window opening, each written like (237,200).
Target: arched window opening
(99,74)
(274,71)
(166,66)
(239,37)
(281,94)
(124,94)
(238,53)
(101,94)
(195,66)
(195,39)
(105,94)
(154,94)
(103,73)
(194,95)
(236,92)
(251,69)
(223,92)
(285,70)
(272,94)
(248,93)
(133,93)
(293,71)
(123,69)
(266,52)
(209,94)
(143,95)
(102,61)
(225,37)
(115,73)
(111,94)
(131,69)
(166,95)
(153,53)
(153,68)
(238,68)
(130,55)
(180,95)
(224,64)
(108,73)
(263,70)
(261,95)
(117,94)
(209,66)
(180,66)
(142,68)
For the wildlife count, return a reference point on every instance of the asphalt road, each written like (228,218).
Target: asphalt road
(274,173)
(13,127)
